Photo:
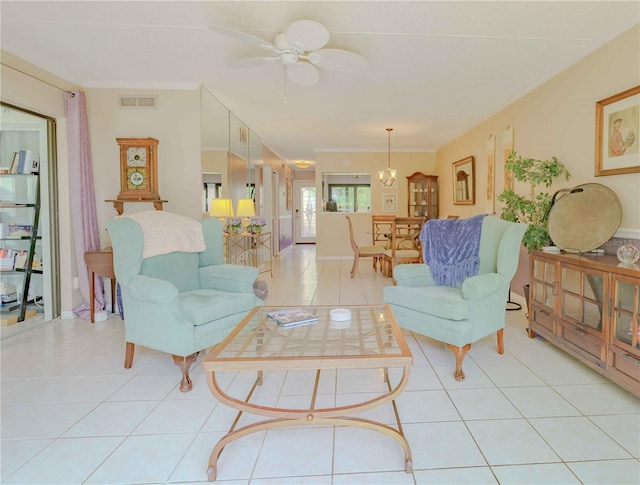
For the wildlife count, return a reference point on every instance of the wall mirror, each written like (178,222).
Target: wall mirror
(346,192)
(254,170)
(215,148)
(464,182)
(238,159)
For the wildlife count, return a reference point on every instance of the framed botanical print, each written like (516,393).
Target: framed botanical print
(389,202)
(617,128)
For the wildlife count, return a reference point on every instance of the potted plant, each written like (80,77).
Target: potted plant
(233,226)
(256,223)
(533,208)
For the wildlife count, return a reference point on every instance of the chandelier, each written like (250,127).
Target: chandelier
(302,164)
(388,176)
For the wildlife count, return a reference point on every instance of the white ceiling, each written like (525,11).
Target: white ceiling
(436,68)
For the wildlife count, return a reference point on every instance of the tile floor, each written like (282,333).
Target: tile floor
(72,414)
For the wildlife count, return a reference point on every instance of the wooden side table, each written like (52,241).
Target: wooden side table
(100,263)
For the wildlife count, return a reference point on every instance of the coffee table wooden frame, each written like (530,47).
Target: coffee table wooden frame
(282,417)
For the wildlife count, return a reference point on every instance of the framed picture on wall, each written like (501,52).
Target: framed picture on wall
(617,130)
(464,189)
(389,202)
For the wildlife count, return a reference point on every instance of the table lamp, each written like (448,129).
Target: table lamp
(245,210)
(222,209)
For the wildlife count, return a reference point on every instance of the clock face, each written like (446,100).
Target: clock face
(137,179)
(136,157)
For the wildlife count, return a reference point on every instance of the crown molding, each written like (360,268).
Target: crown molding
(141,85)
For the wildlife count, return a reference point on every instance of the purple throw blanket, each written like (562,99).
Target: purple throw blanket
(451,248)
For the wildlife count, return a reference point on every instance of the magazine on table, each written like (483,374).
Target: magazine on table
(292,317)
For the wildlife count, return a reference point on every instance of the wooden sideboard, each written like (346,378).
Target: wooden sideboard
(589,306)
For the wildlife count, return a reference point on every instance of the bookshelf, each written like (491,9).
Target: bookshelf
(20,249)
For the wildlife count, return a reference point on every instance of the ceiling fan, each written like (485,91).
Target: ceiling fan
(299,49)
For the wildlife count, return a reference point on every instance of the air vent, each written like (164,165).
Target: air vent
(138,101)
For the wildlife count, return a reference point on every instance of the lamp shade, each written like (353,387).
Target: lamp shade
(245,208)
(221,208)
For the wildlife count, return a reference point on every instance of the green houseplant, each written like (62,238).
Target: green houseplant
(533,208)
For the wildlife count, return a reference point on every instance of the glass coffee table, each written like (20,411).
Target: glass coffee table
(371,339)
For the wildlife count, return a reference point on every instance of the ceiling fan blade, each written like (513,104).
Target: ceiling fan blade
(243,37)
(303,74)
(307,33)
(252,61)
(338,60)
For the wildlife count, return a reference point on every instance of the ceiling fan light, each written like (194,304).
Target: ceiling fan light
(314,57)
(289,58)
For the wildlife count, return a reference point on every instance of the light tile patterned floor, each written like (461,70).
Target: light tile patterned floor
(72,414)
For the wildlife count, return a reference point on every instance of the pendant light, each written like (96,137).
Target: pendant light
(388,176)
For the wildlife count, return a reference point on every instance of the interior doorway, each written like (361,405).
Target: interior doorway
(31,280)
(304,211)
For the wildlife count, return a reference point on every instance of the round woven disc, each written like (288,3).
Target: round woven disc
(581,221)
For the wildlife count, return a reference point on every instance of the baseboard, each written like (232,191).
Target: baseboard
(334,258)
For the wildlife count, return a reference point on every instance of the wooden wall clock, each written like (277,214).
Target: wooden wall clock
(138,169)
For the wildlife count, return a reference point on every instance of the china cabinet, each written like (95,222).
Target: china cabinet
(589,306)
(422,196)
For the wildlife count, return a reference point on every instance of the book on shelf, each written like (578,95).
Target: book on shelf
(23,163)
(13,168)
(292,317)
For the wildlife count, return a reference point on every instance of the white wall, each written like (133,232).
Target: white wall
(556,119)
(27,92)
(332,233)
(175,123)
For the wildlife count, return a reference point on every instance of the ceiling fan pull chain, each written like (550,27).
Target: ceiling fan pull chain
(285,85)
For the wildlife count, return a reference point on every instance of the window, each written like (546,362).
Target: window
(351,197)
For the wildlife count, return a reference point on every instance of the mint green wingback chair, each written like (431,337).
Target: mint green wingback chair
(461,316)
(180,302)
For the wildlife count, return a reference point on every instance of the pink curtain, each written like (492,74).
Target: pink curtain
(83,204)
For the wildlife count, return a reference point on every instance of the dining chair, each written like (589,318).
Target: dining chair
(405,243)
(381,227)
(375,251)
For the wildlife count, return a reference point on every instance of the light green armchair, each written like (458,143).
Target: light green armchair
(461,316)
(180,302)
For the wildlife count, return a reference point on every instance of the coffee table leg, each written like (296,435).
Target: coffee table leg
(314,417)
